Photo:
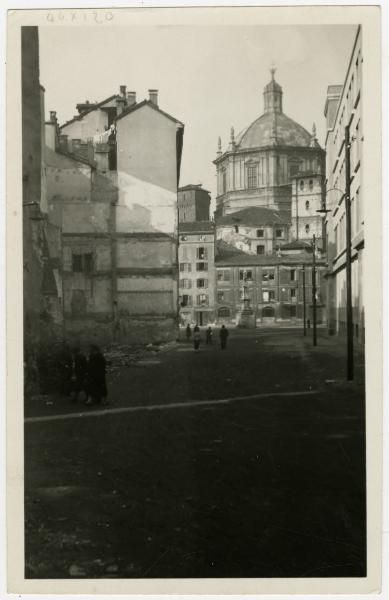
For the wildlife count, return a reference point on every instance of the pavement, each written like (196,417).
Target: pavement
(248,462)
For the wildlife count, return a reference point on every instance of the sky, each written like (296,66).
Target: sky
(210,78)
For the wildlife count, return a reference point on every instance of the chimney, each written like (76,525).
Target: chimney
(120,105)
(153,97)
(63,142)
(131,98)
(53,116)
(123,91)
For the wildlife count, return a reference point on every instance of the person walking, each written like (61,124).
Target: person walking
(196,337)
(223,337)
(97,387)
(188,333)
(208,336)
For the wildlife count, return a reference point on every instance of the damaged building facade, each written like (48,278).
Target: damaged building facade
(113,182)
(42,297)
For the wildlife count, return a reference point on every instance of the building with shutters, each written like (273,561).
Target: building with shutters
(343,106)
(274,284)
(196,257)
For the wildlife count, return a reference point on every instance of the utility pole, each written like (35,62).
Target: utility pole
(304,304)
(314,331)
(349,307)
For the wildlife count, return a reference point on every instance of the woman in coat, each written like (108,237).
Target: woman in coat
(97,387)
(196,337)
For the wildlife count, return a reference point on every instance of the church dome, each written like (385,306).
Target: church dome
(273,129)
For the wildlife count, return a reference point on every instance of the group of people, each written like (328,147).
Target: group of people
(83,375)
(223,335)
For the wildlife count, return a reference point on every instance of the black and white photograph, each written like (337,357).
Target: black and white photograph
(197,298)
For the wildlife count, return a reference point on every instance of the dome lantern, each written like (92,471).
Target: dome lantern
(272,95)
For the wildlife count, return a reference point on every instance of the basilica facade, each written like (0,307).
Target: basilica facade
(276,164)
(270,187)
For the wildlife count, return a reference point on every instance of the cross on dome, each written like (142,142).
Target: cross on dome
(273,70)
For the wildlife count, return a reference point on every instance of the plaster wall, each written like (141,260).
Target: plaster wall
(147,172)
(91,124)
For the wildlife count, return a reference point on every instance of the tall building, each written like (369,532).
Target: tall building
(193,203)
(42,301)
(196,257)
(257,167)
(120,209)
(343,107)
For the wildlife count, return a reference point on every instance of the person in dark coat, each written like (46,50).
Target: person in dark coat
(97,387)
(196,337)
(188,332)
(208,336)
(65,370)
(223,337)
(79,373)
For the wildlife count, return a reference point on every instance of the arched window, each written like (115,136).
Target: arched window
(224,311)
(307,205)
(301,184)
(307,228)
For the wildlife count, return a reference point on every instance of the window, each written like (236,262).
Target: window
(268,275)
(260,233)
(311,185)
(223,275)
(260,249)
(201,253)
(268,295)
(185,283)
(223,312)
(77,263)
(185,300)
(202,300)
(224,181)
(202,283)
(202,266)
(293,274)
(245,275)
(307,228)
(307,205)
(279,233)
(301,184)
(293,296)
(88,262)
(236,227)
(185,267)
(221,296)
(252,177)
(82,263)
